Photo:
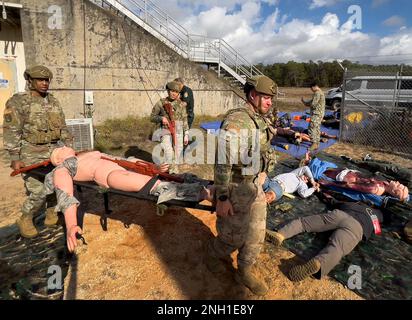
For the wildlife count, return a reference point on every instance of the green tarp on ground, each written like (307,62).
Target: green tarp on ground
(28,266)
(385,260)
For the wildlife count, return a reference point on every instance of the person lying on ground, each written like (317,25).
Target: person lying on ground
(333,120)
(328,174)
(294,181)
(303,136)
(298,135)
(90,166)
(385,168)
(350,222)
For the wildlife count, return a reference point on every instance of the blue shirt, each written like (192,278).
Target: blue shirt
(318,167)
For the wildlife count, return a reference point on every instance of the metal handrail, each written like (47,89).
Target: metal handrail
(194,47)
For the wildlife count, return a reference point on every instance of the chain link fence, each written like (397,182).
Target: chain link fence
(376,108)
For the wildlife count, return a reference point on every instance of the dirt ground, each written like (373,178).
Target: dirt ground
(146,256)
(159,257)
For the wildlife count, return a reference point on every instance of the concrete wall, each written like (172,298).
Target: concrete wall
(127,68)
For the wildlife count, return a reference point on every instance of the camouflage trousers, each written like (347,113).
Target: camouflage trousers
(169,153)
(31,154)
(314,129)
(245,230)
(36,196)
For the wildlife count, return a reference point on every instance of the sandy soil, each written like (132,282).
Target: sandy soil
(145,256)
(293,95)
(157,257)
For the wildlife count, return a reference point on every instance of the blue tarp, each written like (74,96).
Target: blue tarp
(278,142)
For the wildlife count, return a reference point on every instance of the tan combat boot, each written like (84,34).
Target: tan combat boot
(245,276)
(26,226)
(51,217)
(300,272)
(275,237)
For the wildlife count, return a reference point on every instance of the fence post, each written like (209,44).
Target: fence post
(395,93)
(342,104)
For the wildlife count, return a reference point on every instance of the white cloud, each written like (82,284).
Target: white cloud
(400,43)
(394,21)
(322,3)
(278,38)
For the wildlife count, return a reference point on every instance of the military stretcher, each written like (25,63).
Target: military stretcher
(143,194)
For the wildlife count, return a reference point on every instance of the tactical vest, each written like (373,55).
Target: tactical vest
(267,153)
(43,126)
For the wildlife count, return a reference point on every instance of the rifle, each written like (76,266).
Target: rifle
(146,168)
(172,124)
(28,168)
(45,163)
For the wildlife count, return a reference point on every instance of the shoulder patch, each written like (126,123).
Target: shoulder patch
(8,115)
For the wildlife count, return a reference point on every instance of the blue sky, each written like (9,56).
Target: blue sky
(271,31)
(373,14)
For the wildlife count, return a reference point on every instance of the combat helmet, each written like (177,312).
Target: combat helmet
(174,85)
(38,72)
(261,84)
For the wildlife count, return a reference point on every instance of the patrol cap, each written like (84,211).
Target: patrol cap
(38,72)
(262,84)
(173,85)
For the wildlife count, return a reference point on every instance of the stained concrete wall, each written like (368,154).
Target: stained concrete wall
(89,48)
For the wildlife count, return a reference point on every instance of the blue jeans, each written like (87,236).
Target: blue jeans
(274,186)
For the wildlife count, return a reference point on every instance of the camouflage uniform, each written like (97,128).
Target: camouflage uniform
(317,111)
(180,116)
(33,128)
(186,95)
(245,230)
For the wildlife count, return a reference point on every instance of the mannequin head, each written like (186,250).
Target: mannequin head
(398,190)
(60,154)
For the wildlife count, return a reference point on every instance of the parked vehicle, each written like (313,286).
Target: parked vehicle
(334,98)
(377,91)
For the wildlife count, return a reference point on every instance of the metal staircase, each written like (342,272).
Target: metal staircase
(216,53)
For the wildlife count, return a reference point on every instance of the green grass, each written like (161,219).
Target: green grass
(116,136)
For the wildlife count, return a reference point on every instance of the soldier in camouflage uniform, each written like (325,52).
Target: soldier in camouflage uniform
(34,124)
(240,200)
(186,95)
(317,111)
(161,117)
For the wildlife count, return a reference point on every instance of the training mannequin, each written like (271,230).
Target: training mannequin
(353,179)
(90,166)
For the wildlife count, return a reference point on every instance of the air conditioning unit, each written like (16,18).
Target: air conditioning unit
(82,131)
